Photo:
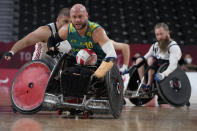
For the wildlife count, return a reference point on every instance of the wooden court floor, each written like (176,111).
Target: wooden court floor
(132,119)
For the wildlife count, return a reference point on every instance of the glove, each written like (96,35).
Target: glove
(53,53)
(159,77)
(94,80)
(8,55)
(53,40)
(123,68)
(125,72)
(103,69)
(51,43)
(131,70)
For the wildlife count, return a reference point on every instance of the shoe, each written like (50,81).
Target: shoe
(146,87)
(143,86)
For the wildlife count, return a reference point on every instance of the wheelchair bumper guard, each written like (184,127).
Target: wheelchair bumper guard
(52,102)
(176,88)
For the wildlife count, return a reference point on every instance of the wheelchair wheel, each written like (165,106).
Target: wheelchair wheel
(115,87)
(28,86)
(176,88)
(133,86)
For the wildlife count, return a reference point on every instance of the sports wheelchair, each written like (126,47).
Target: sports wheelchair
(174,90)
(40,86)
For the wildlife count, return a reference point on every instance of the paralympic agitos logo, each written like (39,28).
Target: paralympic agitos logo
(4,81)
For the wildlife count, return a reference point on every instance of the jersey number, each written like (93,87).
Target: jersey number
(89,44)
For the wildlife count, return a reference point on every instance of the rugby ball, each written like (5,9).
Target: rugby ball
(86,57)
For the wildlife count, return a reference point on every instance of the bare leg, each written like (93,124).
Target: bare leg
(150,72)
(150,76)
(141,69)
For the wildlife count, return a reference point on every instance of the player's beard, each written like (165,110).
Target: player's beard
(163,45)
(83,25)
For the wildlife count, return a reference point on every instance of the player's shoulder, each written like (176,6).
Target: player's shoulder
(51,24)
(66,26)
(93,26)
(43,28)
(48,27)
(173,44)
(70,27)
(155,44)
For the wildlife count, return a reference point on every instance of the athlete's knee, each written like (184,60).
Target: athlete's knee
(150,61)
(139,60)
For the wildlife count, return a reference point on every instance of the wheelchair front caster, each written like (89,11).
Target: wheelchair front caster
(59,112)
(14,110)
(188,104)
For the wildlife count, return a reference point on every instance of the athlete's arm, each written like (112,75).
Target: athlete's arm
(99,36)
(125,49)
(41,34)
(175,56)
(149,53)
(60,36)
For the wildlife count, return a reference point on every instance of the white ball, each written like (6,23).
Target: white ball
(86,57)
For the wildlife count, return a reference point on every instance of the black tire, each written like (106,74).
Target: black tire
(174,89)
(115,88)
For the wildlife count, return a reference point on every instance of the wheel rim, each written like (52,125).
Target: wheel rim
(29,86)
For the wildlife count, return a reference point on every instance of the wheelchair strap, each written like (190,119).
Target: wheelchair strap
(53,28)
(171,46)
(141,63)
(154,49)
(132,69)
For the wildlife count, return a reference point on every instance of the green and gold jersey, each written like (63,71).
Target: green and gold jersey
(78,42)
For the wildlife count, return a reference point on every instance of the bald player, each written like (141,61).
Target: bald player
(40,36)
(82,33)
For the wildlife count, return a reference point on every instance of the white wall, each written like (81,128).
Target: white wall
(193,81)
